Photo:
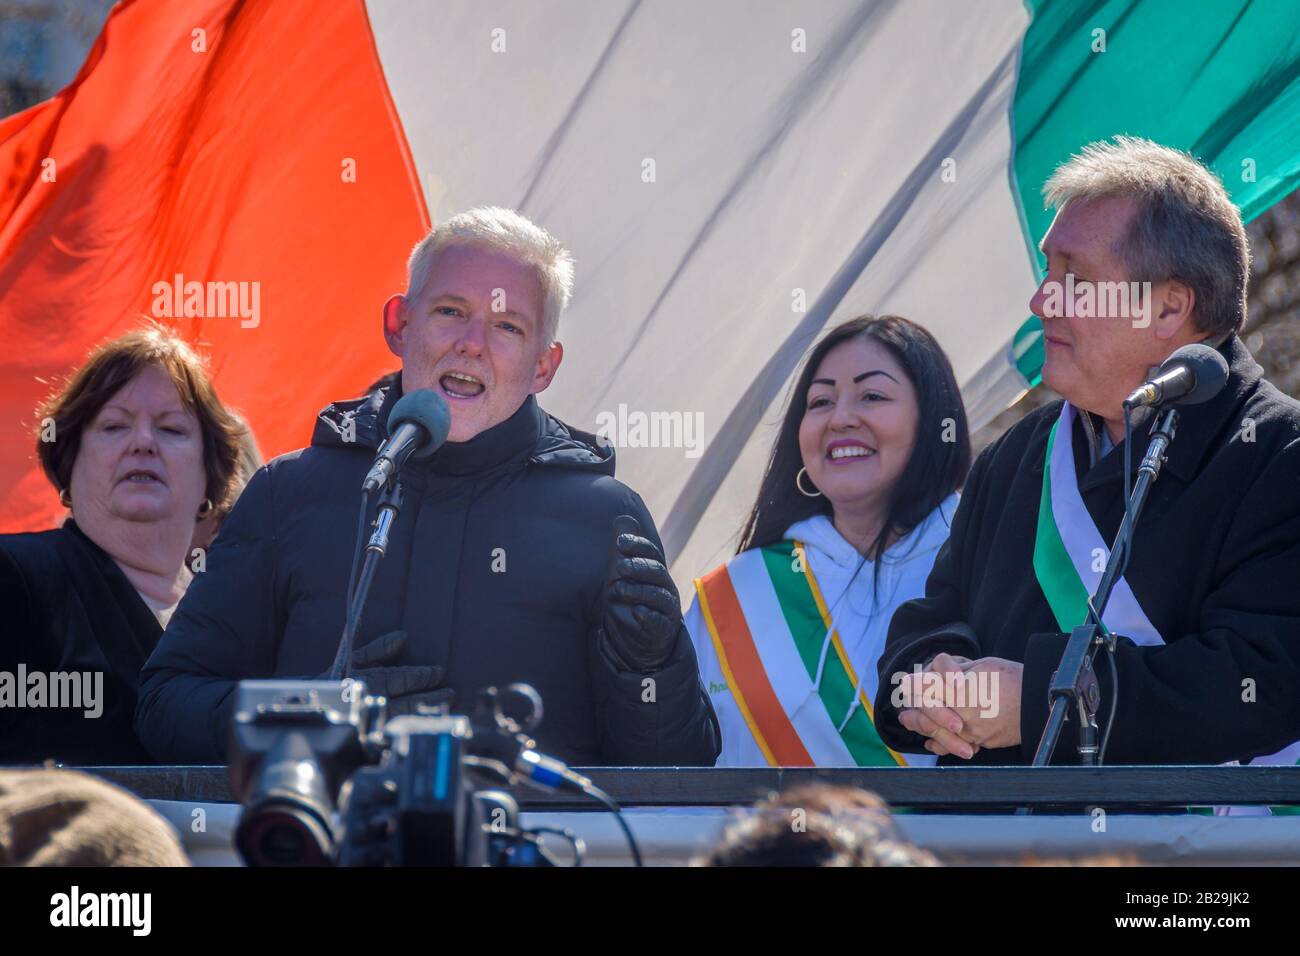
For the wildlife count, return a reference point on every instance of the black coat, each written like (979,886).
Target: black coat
(65,606)
(495,569)
(1215,565)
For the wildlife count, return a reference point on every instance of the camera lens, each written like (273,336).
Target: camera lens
(288,809)
(281,834)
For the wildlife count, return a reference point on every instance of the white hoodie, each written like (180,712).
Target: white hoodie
(860,615)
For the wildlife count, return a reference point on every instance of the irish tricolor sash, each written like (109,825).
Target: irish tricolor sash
(1068,547)
(769,623)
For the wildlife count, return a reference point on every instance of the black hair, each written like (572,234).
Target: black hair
(935,469)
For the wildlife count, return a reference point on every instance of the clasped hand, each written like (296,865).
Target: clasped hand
(962,705)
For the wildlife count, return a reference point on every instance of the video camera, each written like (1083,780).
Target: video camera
(325,779)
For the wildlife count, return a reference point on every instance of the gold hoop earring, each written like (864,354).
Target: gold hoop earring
(65,498)
(206,509)
(798,483)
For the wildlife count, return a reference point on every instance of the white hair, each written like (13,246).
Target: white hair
(508,232)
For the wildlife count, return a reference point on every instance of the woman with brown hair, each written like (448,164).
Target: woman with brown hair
(140,450)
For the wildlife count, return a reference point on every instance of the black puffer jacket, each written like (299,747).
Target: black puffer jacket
(495,569)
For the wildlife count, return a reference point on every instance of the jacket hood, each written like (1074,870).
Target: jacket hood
(927,537)
(530,433)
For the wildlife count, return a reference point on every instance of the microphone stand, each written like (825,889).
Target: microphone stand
(390,505)
(1074,685)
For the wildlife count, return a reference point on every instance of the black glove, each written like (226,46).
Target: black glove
(642,616)
(407,686)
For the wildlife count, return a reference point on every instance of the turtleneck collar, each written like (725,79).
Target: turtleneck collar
(514,438)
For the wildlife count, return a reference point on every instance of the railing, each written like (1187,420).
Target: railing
(928,788)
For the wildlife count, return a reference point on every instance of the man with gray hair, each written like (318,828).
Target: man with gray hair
(516,557)
(1146,254)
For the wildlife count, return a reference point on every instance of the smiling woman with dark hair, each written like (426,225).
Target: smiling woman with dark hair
(140,451)
(857,499)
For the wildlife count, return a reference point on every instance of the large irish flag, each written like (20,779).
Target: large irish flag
(731,176)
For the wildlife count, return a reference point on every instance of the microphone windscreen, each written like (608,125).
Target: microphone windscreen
(1208,367)
(428,409)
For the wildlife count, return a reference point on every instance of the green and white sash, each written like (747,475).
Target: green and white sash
(1068,548)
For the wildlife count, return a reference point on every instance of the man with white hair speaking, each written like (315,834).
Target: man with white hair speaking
(511,559)
(1207,664)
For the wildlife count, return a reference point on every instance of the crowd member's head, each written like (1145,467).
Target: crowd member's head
(138,437)
(1132,212)
(875,424)
(67,818)
(479,318)
(817,825)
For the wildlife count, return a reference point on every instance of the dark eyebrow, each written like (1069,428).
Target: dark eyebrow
(856,378)
(874,371)
(173,410)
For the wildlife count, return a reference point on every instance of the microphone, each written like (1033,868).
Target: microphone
(548,774)
(1192,374)
(417,427)
(502,740)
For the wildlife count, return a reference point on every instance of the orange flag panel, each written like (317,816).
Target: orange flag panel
(218,141)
